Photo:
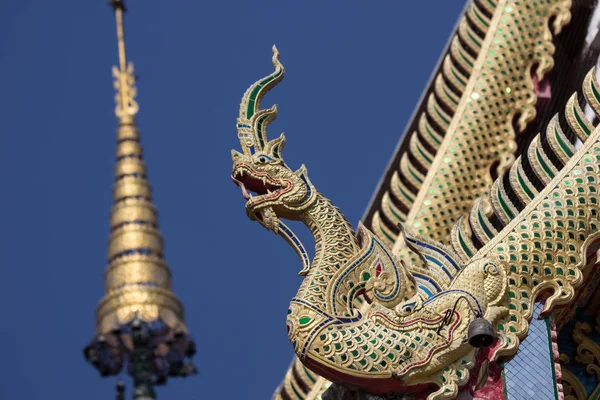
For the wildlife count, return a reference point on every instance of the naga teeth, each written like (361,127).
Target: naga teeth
(268,191)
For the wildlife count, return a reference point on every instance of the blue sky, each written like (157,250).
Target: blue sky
(355,71)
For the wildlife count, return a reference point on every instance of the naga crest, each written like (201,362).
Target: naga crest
(271,189)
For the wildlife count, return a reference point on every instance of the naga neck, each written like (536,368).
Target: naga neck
(335,243)
(332,233)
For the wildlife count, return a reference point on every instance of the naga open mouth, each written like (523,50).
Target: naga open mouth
(256,186)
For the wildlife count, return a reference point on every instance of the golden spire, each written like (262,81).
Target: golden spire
(137,279)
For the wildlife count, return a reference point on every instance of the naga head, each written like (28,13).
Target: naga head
(271,189)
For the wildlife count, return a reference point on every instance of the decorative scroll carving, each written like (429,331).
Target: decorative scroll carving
(572,386)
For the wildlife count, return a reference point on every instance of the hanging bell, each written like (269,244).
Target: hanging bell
(481,333)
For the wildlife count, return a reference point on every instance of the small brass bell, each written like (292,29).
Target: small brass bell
(481,333)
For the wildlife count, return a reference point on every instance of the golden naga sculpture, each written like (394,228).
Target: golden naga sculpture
(449,155)
(408,338)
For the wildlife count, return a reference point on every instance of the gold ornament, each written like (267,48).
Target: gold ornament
(408,336)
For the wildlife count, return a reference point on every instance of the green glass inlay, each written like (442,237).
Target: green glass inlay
(464,245)
(400,217)
(562,144)
(484,226)
(452,99)
(595,91)
(580,121)
(479,17)
(460,51)
(524,186)
(295,391)
(409,198)
(440,114)
(456,75)
(425,156)
(543,164)
(261,136)
(309,374)
(304,320)
(433,136)
(413,174)
(472,38)
(504,206)
(250,111)
(256,92)
(387,235)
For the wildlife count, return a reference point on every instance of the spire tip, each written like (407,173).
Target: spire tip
(118,5)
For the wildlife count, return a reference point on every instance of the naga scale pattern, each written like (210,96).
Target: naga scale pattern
(546,232)
(492,92)
(442,103)
(396,343)
(517,28)
(482,133)
(546,155)
(483,85)
(544,216)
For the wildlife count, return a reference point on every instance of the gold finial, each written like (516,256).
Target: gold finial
(137,280)
(138,304)
(124,76)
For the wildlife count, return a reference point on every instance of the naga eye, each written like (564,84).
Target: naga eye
(263,159)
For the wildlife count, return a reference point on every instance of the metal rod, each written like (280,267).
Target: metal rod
(120,390)
(119,7)
(143,382)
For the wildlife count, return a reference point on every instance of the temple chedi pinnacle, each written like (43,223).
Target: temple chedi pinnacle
(139,322)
